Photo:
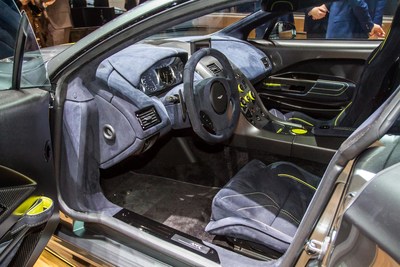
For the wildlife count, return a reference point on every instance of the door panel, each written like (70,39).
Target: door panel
(316,95)
(316,77)
(28,212)
(26,170)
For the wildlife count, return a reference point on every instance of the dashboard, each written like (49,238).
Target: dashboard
(162,76)
(141,86)
(166,73)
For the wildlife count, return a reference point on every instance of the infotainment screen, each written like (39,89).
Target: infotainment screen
(199,44)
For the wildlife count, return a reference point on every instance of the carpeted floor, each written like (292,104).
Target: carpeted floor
(180,205)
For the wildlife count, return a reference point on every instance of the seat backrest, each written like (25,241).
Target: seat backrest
(378,79)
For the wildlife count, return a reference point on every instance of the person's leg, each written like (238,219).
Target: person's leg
(67,32)
(56,36)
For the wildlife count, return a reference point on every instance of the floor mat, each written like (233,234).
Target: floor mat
(180,205)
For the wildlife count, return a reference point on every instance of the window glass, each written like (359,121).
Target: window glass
(33,68)
(9,21)
(34,73)
(368,20)
(210,23)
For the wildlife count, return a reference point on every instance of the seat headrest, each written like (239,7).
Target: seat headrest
(282,6)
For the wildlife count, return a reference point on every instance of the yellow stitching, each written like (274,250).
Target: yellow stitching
(296,179)
(290,216)
(269,226)
(253,193)
(258,206)
(301,120)
(341,113)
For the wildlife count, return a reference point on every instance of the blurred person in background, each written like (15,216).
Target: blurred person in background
(356,19)
(37,19)
(316,21)
(129,4)
(58,14)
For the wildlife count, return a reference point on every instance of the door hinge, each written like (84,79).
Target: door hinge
(317,249)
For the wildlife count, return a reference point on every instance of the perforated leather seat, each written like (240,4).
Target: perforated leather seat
(263,204)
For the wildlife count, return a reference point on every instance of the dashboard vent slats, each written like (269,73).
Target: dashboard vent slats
(148,118)
(214,68)
(266,62)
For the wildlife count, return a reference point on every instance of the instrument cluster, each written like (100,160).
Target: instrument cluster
(162,76)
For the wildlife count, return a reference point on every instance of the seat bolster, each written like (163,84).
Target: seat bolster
(250,230)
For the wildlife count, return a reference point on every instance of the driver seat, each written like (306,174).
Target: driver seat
(263,204)
(378,79)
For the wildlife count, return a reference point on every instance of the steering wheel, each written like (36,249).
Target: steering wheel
(213,103)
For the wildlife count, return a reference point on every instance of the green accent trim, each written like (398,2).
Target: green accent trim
(301,120)
(298,131)
(240,88)
(273,84)
(34,206)
(280,130)
(341,113)
(296,179)
(381,46)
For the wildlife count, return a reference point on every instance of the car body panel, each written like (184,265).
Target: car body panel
(26,111)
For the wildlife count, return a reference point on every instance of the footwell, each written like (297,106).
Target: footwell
(183,206)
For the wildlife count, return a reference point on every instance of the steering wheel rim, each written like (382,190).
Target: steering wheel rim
(215,98)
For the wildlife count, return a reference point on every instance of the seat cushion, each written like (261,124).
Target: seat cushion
(300,118)
(263,204)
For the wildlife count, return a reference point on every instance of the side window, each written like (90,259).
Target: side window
(8,32)
(32,73)
(362,20)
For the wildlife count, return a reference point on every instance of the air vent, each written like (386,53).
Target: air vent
(266,62)
(214,68)
(148,117)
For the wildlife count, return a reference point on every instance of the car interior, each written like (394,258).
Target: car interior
(220,141)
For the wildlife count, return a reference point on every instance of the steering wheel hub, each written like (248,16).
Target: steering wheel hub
(218,97)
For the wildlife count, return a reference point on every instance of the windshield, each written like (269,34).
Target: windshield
(315,22)
(210,23)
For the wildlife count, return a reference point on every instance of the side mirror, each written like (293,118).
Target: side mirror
(283,30)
